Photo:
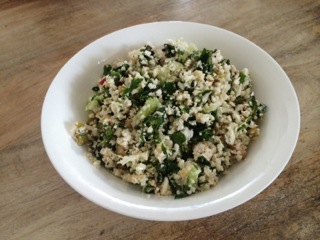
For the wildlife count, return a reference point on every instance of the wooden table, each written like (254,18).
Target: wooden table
(36,40)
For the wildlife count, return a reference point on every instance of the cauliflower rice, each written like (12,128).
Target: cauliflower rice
(172,119)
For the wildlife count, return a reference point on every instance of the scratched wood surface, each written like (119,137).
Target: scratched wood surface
(36,40)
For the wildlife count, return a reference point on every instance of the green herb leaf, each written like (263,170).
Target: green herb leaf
(108,134)
(239,100)
(148,189)
(169,50)
(106,69)
(203,161)
(242,77)
(206,134)
(185,109)
(178,138)
(169,88)
(134,84)
(242,127)
(168,167)
(206,60)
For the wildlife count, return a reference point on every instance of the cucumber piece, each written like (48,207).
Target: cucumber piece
(193,175)
(149,107)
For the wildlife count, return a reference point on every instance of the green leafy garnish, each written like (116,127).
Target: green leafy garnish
(134,84)
(178,138)
(169,50)
(206,134)
(106,69)
(169,88)
(206,60)
(239,100)
(203,161)
(242,77)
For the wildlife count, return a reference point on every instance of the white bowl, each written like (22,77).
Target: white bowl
(267,157)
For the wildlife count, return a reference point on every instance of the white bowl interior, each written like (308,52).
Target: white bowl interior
(268,155)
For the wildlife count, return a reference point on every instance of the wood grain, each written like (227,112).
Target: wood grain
(36,40)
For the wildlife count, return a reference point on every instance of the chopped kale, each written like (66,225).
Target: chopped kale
(203,161)
(178,138)
(206,60)
(106,69)
(169,50)
(169,88)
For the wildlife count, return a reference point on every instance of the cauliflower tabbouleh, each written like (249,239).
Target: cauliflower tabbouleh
(171,119)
